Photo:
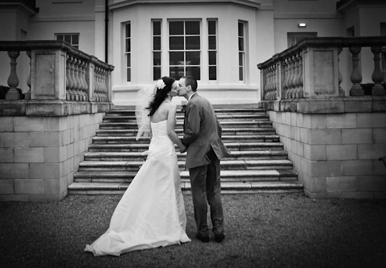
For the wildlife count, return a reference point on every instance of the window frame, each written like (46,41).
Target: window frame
(185,49)
(127,51)
(241,52)
(213,50)
(71,35)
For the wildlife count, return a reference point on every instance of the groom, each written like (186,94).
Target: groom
(202,137)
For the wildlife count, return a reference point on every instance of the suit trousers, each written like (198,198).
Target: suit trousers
(206,188)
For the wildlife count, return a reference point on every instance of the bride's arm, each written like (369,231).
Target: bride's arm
(171,124)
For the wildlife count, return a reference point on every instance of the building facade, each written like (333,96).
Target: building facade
(218,42)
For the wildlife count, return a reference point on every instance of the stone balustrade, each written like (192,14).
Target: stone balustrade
(334,132)
(44,136)
(311,69)
(58,73)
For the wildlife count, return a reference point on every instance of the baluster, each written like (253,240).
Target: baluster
(13,81)
(356,76)
(74,95)
(285,81)
(85,85)
(27,95)
(75,80)
(69,94)
(264,86)
(296,77)
(274,86)
(105,90)
(377,76)
(100,89)
(266,94)
(78,80)
(96,88)
(269,83)
(290,77)
(300,83)
(340,77)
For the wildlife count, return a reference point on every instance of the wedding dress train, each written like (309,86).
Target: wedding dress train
(151,212)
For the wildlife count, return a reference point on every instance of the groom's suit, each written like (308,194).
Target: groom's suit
(202,137)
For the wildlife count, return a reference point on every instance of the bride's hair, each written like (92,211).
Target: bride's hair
(161,94)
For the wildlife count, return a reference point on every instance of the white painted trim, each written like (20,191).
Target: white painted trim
(307,16)
(63,18)
(247,3)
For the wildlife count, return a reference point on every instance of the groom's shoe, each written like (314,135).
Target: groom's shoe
(219,238)
(202,238)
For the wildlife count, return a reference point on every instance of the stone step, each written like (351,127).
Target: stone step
(226,175)
(218,111)
(94,188)
(179,124)
(138,156)
(250,146)
(225,131)
(180,117)
(134,165)
(225,139)
(257,164)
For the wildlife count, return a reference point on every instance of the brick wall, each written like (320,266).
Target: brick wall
(39,155)
(336,155)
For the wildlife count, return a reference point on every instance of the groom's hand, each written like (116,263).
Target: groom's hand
(183,149)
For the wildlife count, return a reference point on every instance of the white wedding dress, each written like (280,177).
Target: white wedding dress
(151,212)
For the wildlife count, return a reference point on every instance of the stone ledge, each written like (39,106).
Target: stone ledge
(365,104)
(51,108)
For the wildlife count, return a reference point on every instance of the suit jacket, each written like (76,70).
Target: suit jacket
(202,132)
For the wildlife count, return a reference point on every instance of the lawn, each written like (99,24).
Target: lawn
(262,230)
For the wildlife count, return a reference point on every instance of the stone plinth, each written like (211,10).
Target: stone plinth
(41,146)
(335,144)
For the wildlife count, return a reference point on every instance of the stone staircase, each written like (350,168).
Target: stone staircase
(258,162)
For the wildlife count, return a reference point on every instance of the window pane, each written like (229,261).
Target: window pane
(212,73)
(192,27)
(192,58)
(241,59)
(156,73)
(176,43)
(176,72)
(128,74)
(176,58)
(241,29)
(128,47)
(128,33)
(241,74)
(59,37)
(212,42)
(75,39)
(157,58)
(193,71)
(192,42)
(212,57)
(156,43)
(67,38)
(128,60)
(211,27)
(156,28)
(176,28)
(241,44)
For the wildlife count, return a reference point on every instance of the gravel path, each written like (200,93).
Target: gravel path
(277,230)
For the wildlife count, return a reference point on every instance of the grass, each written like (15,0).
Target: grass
(276,230)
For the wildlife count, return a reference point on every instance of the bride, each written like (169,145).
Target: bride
(151,212)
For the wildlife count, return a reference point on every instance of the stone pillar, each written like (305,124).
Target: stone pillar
(48,75)
(324,62)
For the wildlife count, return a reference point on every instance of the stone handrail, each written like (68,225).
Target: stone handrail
(58,72)
(310,69)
